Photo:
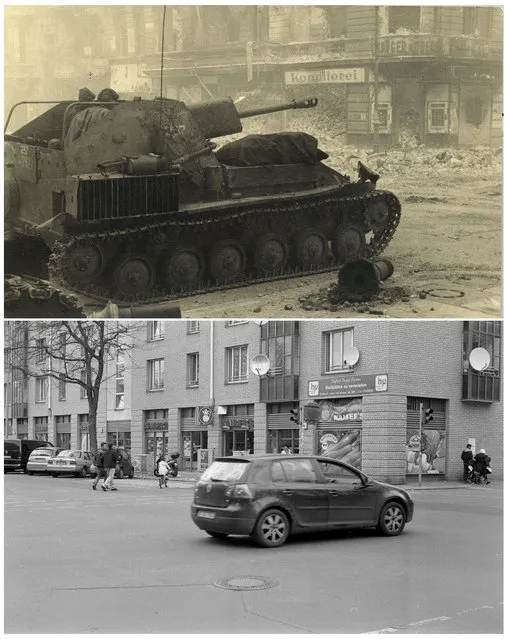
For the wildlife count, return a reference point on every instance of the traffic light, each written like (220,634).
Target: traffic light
(427,416)
(295,415)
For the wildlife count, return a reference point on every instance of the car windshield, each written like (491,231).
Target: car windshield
(225,471)
(69,453)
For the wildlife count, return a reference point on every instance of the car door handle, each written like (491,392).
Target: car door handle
(287,492)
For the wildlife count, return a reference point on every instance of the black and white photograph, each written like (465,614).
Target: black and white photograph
(254,160)
(253,319)
(269,477)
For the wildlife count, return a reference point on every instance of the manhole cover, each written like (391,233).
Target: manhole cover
(246,582)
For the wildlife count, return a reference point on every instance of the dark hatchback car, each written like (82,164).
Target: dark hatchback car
(271,497)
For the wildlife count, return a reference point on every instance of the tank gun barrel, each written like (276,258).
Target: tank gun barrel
(307,103)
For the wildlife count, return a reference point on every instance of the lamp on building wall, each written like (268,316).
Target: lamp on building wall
(222,410)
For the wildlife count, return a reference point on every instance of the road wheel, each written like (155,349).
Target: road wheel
(272,529)
(29,472)
(82,472)
(392,519)
(131,473)
(216,535)
(55,474)
(119,475)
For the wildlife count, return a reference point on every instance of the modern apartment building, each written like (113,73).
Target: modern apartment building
(197,387)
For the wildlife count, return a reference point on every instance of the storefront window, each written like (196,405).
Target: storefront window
(278,438)
(156,443)
(63,440)
(433,447)
(194,449)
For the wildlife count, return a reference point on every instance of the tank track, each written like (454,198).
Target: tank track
(323,210)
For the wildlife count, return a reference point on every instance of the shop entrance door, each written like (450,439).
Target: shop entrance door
(157,443)
(193,441)
(238,442)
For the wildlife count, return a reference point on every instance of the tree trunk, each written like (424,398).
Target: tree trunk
(92,422)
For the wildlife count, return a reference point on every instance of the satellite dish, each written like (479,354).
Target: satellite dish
(479,359)
(260,322)
(351,355)
(260,365)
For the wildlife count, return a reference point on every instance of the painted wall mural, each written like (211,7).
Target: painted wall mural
(433,459)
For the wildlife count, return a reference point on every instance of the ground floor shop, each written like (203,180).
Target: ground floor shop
(377,433)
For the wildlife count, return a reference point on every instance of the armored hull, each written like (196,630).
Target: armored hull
(136,206)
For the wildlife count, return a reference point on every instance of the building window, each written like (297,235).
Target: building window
(437,117)
(155,330)
(120,381)
(83,389)
(236,362)
(63,440)
(336,345)
(383,121)
(482,385)
(41,388)
(156,374)
(41,350)
(235,322)
(192,326)
(193,369)
(281,346)
(62,387)
(406,18)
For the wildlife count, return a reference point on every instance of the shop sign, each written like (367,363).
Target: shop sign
(335,412)
(205,415)
(326,76)
(232,423)
(41,428)
(346,385)
(412,45)
(156,424)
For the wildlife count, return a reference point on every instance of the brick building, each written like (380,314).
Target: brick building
(189,386)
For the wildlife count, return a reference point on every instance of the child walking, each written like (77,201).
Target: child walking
(163,471)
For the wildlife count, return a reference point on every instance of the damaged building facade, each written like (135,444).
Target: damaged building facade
(431,74)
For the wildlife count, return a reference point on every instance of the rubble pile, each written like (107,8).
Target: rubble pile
(327,123)
(332,299)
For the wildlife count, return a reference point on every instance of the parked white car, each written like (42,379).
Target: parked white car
(38,459)
(71,462)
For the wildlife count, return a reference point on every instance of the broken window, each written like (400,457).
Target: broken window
(405,18)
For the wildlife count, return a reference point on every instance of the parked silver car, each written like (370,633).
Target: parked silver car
(70,462)
(38,459)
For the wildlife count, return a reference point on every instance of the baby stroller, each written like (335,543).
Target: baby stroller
(476,477)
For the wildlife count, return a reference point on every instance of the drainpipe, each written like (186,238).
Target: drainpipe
(376,81)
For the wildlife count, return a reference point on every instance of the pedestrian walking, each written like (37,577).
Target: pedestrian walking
(162,471)
(467,460)
(480,464)
(109,460)
(98,463)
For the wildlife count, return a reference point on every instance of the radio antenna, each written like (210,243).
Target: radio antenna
(162,56)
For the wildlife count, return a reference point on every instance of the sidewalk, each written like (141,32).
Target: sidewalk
(193,476)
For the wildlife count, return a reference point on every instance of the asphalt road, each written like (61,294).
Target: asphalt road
(78,561)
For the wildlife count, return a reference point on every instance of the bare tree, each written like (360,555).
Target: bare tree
(71,352)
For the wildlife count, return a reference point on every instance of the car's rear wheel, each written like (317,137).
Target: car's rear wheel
(30,472)
(216,535)
(55,474)
(392,519)
(272,528)
(82,472)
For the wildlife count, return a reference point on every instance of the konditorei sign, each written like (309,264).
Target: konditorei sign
(326,76)
(347,385)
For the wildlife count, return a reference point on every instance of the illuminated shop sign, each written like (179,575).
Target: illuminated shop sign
(346,385)
(326,76)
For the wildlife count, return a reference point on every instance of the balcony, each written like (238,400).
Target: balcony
(394,47)
(279,388)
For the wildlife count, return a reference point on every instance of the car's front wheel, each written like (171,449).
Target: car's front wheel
(216,535)
(55,474)
(392,519)
(272,529)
